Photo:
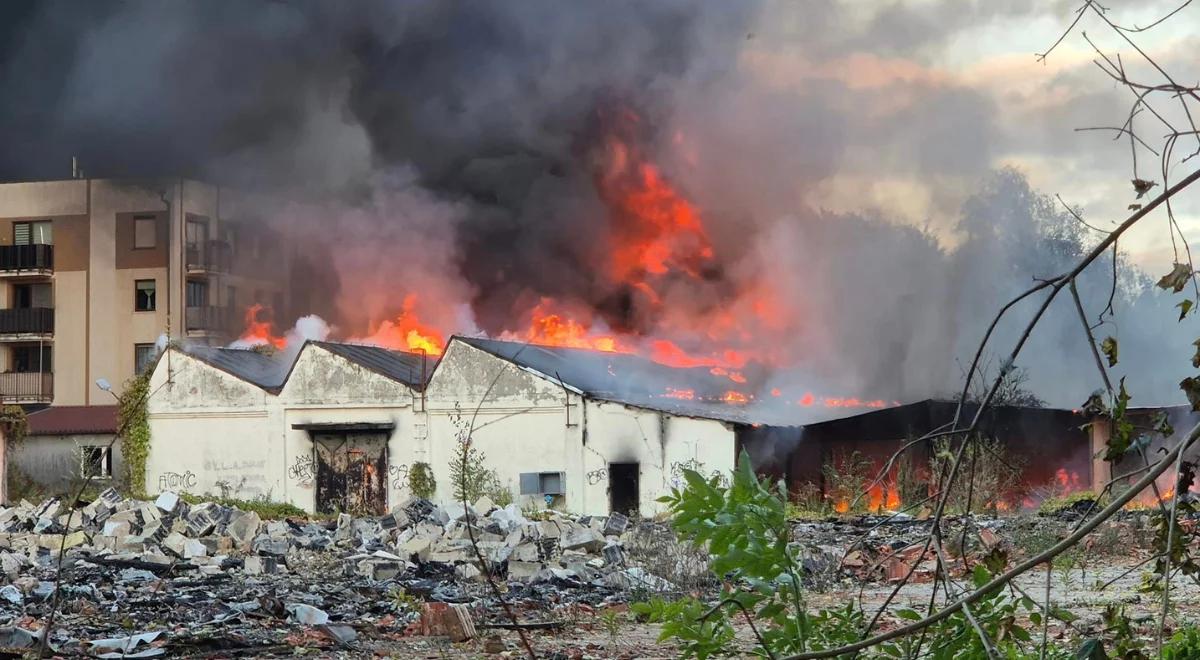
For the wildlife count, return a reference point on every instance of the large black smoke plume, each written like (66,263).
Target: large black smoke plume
(451,150)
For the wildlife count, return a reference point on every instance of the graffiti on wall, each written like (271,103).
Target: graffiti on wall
(679,467)
(596,476)
(303,469)
(398,475)
(177,481)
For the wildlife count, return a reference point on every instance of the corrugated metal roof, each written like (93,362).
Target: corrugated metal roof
(412,369)
(71,420)
(265,370)
(633,380)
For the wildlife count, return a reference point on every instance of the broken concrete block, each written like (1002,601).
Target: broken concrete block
(614,555)
(527,552)
(484,506)
(194,548)
(115,528)
(549,529)
(523,570)
(167,501)
(467,572)
(175,543)
(418,546)
(270,545)
(243,527)
(379,569)
(616,524)
(217,544)
(584,538)
(199,523)
(394,520)
(260,565)
(450,555)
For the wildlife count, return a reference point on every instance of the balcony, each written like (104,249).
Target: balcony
(208,320)
(26,323)
(33,387)
(208,257)
(26,260)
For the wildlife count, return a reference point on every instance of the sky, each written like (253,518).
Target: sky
(975,63)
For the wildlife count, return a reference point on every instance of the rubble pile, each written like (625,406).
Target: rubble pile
(142,577)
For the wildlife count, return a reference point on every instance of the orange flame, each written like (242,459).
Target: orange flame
(407,332)
(258,333)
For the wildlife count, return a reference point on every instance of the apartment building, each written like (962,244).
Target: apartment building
(94,271)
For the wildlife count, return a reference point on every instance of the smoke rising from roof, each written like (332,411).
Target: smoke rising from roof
(452,150)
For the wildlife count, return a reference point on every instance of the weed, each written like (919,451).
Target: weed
(263,506)
(847,476)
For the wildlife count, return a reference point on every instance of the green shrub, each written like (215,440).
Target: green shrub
(1183,645)
(421,481)
(265,508)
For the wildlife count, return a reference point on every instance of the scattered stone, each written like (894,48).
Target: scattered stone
(307,614)
(167,501)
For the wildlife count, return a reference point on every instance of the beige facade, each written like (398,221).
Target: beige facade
(73,256)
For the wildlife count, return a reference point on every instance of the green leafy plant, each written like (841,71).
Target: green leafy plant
(14,424)
(262,505)
(421,481)
(744,528)
(1183,645)
(134,425)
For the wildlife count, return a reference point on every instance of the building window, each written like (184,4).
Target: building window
(95,462)
(197,293)
(32,295)
(196,232)
(542,483)
(145,232)
(144,295)
(32,233)
(31,358)
(143,356)
(231,297)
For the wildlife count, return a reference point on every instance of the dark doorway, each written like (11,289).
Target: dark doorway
(351,473)
(623,488)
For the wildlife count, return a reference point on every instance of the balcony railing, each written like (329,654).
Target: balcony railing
(26,258)
(208,257)
(208,319)
(31,387)
(27,321)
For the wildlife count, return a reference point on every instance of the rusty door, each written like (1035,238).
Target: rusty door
(351,473)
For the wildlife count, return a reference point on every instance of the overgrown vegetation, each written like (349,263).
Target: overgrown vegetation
(263,506)
(133,424)
(14,424)
(744,527)
(421,481)
(847,476)
(992,476)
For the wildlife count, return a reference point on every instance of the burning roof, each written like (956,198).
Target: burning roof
(269,370)
(636,381)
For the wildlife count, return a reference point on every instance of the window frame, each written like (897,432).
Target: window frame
(153,220)
(106,462)
(153,351)
(137,297)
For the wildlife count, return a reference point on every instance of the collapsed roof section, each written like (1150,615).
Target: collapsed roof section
(634,381)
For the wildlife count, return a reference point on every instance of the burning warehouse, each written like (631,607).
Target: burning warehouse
(340,426)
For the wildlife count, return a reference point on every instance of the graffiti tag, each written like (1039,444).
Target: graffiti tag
(398,474)
(596,476)
(177,481)
(304,468)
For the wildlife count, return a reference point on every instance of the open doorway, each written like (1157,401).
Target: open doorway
(623,488)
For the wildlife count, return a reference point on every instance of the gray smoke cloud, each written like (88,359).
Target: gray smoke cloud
(452,150)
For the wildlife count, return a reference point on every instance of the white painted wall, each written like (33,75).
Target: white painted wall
(530,423)
(325,388)
(210,428)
